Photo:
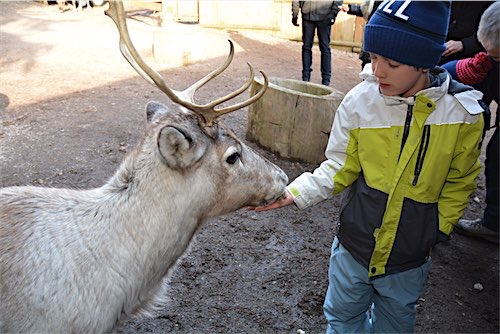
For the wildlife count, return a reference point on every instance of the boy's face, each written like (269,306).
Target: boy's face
(396,79)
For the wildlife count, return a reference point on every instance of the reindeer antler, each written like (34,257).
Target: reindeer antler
(208,112)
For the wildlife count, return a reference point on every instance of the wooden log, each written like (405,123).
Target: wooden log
(293,118)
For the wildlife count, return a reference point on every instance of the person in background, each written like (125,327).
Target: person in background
(405,142)
(317,16)
(365,10)
(462,41)
(481,71)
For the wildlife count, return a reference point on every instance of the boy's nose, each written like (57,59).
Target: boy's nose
(378,70)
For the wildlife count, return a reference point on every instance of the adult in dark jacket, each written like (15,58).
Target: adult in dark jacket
(461,41)
(317,16)
(481,71)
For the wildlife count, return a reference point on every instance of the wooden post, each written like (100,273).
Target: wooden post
(293,118)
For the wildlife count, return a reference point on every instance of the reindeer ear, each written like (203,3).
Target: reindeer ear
(154,110)
(178,148)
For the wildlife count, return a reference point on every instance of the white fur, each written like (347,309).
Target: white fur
(83,260)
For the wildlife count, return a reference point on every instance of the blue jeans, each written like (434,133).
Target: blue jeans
(355,303)
(308,31)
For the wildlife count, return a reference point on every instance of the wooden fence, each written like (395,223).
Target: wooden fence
(267,16)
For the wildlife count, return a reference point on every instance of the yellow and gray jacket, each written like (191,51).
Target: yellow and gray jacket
(411,165)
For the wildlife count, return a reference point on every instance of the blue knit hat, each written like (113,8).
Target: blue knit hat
(409,32)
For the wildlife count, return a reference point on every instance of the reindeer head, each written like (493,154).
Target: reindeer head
(191,137)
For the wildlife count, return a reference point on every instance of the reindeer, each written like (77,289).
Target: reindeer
(83,261)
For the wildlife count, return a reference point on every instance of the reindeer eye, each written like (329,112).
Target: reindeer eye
(233,158)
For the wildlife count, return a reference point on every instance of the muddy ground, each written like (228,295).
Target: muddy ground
(71,108)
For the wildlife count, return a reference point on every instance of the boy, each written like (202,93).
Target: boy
(406,142)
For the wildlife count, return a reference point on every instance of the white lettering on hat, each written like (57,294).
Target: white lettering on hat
(399,13)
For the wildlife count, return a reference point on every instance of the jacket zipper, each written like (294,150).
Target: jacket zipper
(424,144)
(406,132)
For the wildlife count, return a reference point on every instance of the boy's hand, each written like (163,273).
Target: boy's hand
(294,21)
(285,200)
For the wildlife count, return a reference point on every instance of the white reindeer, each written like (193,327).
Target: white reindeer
(82,261)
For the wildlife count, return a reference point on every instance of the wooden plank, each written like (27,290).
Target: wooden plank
(151,5)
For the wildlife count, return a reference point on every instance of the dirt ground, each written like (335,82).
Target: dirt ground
(71,107)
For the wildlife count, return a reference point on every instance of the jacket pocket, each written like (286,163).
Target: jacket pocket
(416,235)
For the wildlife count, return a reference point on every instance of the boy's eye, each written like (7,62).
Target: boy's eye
(393,64)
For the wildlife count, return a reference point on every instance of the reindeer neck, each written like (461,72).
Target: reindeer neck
(154,216)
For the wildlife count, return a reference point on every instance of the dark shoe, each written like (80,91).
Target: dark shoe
(325,83)
(474,228)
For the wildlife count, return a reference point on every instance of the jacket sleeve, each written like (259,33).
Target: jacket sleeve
(471,71)
(339,170)
(355,9)
(471,45)
(295,8)
(461,180)
(334,10)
